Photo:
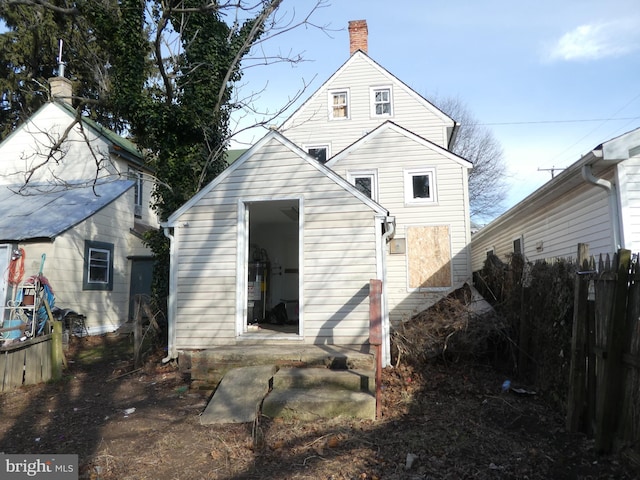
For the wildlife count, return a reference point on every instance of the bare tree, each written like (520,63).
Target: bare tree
(476,143)
(170,51)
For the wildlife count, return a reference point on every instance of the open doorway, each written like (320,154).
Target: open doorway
(273,273)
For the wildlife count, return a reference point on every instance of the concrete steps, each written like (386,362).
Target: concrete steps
(208,367)
(313,378)
(303,384)
(317,403)
(312,393)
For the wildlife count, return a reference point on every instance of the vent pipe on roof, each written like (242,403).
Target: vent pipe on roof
(358,36)
(61,87)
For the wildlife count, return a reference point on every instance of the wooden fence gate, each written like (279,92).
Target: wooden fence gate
(604,390)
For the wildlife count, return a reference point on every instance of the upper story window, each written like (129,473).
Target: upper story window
(366,181)
(98,266)
(339,104)
(319,152)
(381,102)
(420,186)
(136,176)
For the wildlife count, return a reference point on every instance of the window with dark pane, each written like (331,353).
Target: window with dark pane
(421,186)
(319,153)
(365,185)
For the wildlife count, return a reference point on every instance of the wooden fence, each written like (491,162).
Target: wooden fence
(36,360)
(604,389)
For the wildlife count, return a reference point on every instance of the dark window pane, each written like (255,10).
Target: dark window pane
(364,185)
(421,186)
(319,154)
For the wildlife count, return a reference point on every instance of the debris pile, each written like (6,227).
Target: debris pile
(461,326)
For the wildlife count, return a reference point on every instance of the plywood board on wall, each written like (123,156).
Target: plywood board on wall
(429,256)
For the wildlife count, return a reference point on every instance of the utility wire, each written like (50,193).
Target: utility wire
(534,122)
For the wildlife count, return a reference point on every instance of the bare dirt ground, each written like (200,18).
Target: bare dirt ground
(453,421)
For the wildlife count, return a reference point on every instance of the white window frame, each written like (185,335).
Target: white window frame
(105,264)
(137,176)
(318,146)
(332,94)
(408,186)
(353,175)
(373,92)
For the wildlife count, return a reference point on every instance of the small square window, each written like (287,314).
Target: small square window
(381,102)
(365,181)
(319,152)
(420,186)
(364,184)
(339,108)
(98,266)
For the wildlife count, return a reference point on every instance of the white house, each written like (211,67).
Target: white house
(596,200)
(356,185)
(78,194)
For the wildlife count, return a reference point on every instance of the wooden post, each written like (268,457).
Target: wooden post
(375,336)
(611,384)
(576,402)
(56,351)
(137,333)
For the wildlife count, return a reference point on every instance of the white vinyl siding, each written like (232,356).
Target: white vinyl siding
(311,125)
(629,181)
(451,210)
(338,258)
(553,230)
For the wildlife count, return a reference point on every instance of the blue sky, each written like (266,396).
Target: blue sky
(551,79)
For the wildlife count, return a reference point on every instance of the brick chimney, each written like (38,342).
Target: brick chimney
(61,89)
(358,34)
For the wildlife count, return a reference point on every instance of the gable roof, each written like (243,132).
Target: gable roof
(304,157)
(45,215)
(117,144)
(360,55)
(389,125)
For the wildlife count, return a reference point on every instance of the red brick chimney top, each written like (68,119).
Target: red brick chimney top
(358,34)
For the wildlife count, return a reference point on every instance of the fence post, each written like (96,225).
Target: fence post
(56,351)
(610,386)
(577,397)
(375,336)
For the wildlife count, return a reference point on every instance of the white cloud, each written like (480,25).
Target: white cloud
(596,41)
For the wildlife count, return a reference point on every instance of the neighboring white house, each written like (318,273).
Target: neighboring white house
(78,194)
(356,185)
(596,201)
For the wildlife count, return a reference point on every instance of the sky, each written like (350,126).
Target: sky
(551,79)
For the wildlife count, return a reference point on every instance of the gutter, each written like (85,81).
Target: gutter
(610,188)
(171,352)
(390,230)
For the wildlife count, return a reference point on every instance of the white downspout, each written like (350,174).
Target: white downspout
(171,354)
(390,230)
(613,201)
